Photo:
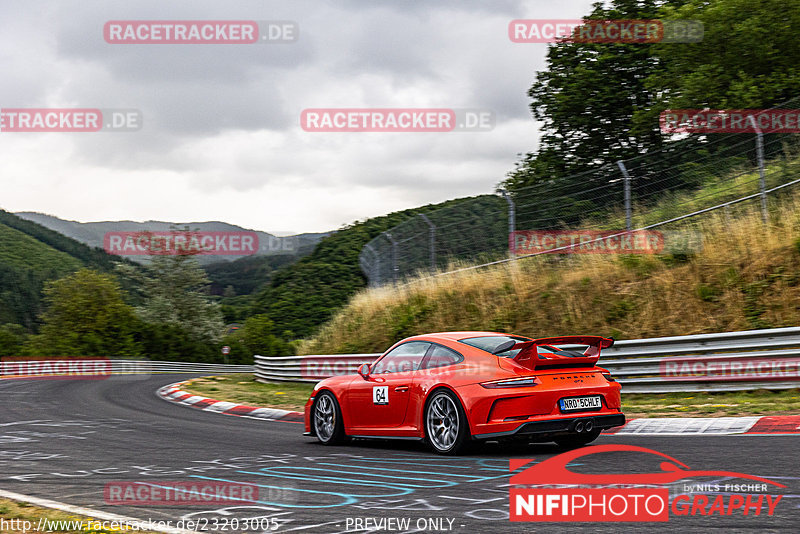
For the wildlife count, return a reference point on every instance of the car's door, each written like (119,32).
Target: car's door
(382,399)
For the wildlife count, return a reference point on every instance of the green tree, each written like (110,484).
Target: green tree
(174,344)
(257,336)
(31,255)
(600,103)
(85,315)
(586,99)
(174,292)
(749,58)
(12,338)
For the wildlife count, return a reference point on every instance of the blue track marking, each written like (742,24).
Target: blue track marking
(398,484)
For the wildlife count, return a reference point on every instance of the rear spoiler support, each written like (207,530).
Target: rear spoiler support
(529,355)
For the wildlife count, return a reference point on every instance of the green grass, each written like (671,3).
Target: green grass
(13,510)
(241,388)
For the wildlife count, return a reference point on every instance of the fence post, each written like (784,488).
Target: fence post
(432,240)
(376,269)
(627,188)
(394,256)
(762,181)
(512,222)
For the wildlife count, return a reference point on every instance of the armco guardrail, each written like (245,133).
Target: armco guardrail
(308,368)
(143,366)
(729,361)
(10,367)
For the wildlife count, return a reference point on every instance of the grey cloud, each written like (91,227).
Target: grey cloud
(227,116)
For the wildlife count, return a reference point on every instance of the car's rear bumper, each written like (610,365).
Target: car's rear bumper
(555,427)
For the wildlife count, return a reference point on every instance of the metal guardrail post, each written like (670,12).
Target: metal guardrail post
(512,221)
(627,188)
(432,240)
(762,182)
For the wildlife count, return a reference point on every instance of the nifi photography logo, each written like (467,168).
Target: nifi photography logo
(550,491)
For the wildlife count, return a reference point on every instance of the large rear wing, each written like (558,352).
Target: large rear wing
(530,356)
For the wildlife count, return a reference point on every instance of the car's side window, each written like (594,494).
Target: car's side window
(405,357)
(442,357)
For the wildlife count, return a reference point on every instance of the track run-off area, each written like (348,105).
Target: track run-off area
(66,440)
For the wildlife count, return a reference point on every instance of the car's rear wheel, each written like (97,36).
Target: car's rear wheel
(446,427)
(328,424)
(578,440)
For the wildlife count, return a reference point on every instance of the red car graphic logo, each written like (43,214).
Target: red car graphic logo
(554,470)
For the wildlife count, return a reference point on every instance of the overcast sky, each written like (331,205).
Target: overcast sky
(221,138)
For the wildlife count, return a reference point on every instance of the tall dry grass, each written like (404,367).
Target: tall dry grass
(747,275)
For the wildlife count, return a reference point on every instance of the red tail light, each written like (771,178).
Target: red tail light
(527,381)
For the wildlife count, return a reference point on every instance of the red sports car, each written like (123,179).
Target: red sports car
(454,387)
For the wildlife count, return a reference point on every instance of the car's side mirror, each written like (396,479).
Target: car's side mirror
(364,370)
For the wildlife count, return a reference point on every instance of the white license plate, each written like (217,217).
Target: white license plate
(580,403)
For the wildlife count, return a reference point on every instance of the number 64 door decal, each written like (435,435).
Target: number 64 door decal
(380,395)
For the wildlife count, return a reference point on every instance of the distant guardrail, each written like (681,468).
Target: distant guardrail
(177,367)
(308,368)
(40,367)
(728,361)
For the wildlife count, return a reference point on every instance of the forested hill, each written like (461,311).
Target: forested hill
(30,255)
(302,296)
(92,234)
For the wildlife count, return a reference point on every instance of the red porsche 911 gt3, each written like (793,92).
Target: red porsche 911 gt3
(454,387)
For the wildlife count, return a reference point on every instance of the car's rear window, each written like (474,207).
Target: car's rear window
(489,343)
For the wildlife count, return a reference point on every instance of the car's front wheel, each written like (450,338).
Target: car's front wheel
(328,424)
(446,427)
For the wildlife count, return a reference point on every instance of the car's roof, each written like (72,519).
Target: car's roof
(455,336)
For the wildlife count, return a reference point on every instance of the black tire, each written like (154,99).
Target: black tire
(577,440)
(446,426)
(327,419)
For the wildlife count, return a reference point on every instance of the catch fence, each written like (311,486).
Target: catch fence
(663,192)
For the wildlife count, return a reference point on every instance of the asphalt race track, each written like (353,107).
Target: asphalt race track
(65,439)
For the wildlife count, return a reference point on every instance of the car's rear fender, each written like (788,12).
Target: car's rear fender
(420,423)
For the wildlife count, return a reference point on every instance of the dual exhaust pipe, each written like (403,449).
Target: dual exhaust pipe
(584,426)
